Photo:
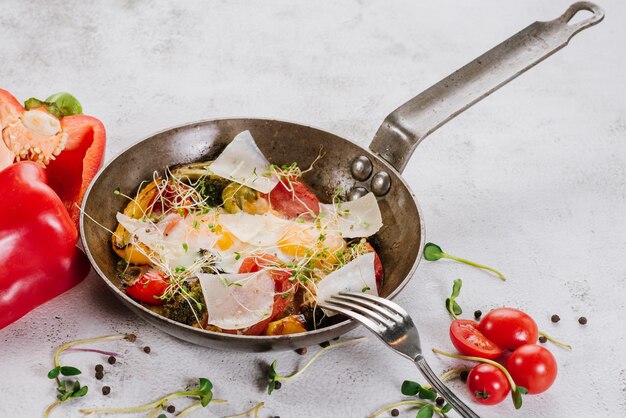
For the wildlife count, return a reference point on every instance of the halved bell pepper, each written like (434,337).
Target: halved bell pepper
(38,255)
(71,148)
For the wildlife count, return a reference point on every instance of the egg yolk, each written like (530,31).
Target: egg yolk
(307,241)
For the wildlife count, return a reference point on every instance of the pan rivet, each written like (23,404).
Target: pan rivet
(381,183)
(356,193)
(361,168)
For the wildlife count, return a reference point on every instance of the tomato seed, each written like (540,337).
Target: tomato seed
(555,318)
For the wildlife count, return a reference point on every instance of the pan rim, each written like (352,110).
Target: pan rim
(348,323)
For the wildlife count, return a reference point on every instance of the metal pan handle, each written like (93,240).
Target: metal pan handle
(408,125)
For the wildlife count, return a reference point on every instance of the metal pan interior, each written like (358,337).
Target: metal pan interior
(400,240)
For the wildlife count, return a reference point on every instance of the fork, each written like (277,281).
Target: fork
(393,325)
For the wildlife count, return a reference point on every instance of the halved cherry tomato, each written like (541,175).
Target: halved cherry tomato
(509,328)
(282,286)
(149,288)
(471,342)
(296,201)
(533,367)
(487,384)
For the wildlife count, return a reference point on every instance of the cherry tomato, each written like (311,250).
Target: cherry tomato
(487,384)
(471,342)
(149,288)
(282,287)
(509,328)
(293,198)
(378,267)
(533,367)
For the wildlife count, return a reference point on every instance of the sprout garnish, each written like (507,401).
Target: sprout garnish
(275,377)
(451,305)
(433,252)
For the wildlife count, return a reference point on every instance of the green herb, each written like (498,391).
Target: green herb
(410,388)
(237,256)
(274,377)
(451,304)
(185,247)
(433,252)
(67,103)
(554,341)
(365,289)
(117,192)
(425,412)
(203,392)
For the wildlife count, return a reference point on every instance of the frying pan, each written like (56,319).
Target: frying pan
(345,164)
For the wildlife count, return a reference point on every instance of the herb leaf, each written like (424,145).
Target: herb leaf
(69,371)
(425,411)
(54,373)
(446,408)
(451,305)
(433,252)
(410,388)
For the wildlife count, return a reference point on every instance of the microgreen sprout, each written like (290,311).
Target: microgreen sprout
(554,341)
(274,377)
(433,252)
(426,409)
(451,305)
(203,392)
(516,391)
(254,409)
(71,389)
(411,388)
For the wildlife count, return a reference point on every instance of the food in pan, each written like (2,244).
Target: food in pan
(239,245)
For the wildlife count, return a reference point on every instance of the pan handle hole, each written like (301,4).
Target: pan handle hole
(580,16)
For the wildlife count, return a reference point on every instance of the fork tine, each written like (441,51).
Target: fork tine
(366,322)
(368,313)
(377,299)
(369,305)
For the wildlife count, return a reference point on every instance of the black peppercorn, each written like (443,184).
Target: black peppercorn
(582,320)
(146,350)
(302,351)
(463,376)
(171,409)
(106,390)
(478,314)
(439,401)
(555,318)
(99,375)
(99,367)
(277,385)
(111,360)
(395,412)
(543,339)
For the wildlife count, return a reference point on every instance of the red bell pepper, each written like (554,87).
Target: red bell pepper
(81,142)
(38,255)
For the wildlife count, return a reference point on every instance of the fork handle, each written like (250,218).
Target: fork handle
(442,389)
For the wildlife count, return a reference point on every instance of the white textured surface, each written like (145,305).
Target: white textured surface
(532,180)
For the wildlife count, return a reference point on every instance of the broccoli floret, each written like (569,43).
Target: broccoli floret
(186,309)
(211,188)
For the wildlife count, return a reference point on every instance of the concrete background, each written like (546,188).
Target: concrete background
(531,181)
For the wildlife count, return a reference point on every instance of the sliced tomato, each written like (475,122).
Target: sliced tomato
(282,287)
(471,342)
(292,198)
(378,267)
(149,288)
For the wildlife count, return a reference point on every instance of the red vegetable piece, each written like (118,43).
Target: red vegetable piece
(38,255)
(533,367)
(10,110)
(378,267)
(509,328)
(149,288)
(74,168)
(488,384)
(282,285)
(467,338)
(293,198)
